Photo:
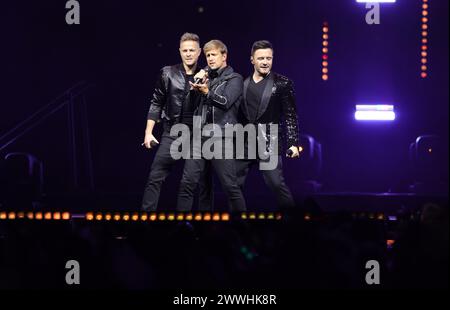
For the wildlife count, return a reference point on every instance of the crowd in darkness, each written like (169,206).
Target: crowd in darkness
(325,252)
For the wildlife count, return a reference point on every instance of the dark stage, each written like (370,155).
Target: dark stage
(362,94)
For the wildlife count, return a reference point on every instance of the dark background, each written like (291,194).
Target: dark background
(120,46)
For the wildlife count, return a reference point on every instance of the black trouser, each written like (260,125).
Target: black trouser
(226,172)
(274,179)
(161,167)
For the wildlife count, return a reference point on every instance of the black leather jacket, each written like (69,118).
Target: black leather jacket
(221,105)
(277,107)
(171,91)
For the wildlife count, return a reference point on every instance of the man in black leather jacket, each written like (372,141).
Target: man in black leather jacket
(173,102)
(269,98)
(221,96)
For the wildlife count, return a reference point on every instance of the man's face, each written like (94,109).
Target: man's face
(262,60)
(189,52)
(215,59)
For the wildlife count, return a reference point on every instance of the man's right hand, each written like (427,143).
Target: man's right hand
(148,139)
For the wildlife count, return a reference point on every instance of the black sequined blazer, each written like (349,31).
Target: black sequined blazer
(277,107)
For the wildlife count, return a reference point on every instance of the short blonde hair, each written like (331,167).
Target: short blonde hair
(215,44)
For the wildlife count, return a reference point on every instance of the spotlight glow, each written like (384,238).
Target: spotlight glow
(380,112)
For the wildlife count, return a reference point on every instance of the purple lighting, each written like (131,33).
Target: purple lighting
(380,112)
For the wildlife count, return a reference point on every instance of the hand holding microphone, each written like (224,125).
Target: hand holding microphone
(293,152)
(200,81)
(150,141)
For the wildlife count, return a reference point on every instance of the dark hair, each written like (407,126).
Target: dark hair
(258,45)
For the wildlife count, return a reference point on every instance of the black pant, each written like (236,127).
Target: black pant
(274,179)
(161,167)
(226,172)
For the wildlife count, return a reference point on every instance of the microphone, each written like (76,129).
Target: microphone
(152,143)
(198,80)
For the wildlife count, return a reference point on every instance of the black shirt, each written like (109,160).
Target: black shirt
(254,96)
(191,102)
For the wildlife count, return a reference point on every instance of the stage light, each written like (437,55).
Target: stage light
(30,215)
(171,217)
(116,217)
(47,215)
(307,217)
(189,217)
(325,50)
(3,216)
(89,216)
(198,217)
(126,217)
(216,217)
(38,216)
(375,1)
(390,243)
(252,216)
(424,33)
(56,216)
(108,217)
(135,217)
(11,216)
(270,216)
(380,112)
(207,217)
(278,216)
(98,216)
(380,216)
(161,217)
(225,217)
(66,216)
(144,217)
(153,217)
(180,216)
(325,70)
(20,215)
(244,216)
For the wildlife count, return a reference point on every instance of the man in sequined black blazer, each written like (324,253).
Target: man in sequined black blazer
(269,98)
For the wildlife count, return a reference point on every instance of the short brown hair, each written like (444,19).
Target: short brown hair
(188,36)
(215,44)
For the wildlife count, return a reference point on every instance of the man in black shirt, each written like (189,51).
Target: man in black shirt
(269,99)
(173,102)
